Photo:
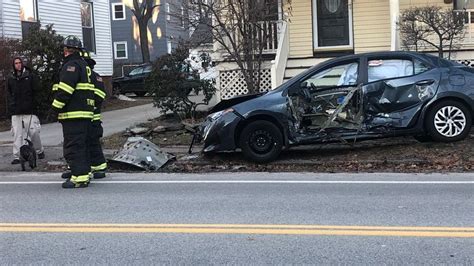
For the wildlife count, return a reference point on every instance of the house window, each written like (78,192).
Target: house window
(120,49)
(332,24)
(118,11)
(28,10)
(28,15)
(168,16)
(88,34)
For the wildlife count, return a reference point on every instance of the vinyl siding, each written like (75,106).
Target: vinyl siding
(301,29)
(11,18)
(68,22)
(371,25)
(103,37)
(1,16)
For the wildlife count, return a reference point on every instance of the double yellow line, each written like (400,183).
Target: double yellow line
(262,229)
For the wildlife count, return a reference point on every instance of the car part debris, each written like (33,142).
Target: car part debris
(142,153)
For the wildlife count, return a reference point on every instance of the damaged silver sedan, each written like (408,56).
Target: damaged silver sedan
(348,99)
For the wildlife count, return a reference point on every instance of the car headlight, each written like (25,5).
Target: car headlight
(219,114)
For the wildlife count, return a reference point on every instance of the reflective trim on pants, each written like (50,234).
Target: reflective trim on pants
(100,167)
(80,178)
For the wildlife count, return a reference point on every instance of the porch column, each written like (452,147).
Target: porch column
(394,13)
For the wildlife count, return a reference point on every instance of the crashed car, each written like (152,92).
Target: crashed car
(348,99)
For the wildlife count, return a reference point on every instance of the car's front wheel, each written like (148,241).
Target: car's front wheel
(449,121)
(261,141)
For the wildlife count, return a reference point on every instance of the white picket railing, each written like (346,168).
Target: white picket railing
(279,64)
(469,22)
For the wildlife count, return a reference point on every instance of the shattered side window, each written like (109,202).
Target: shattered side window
(386,69)
(420,67)
(341,75)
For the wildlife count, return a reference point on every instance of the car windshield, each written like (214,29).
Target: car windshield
(136,71)
(147,69)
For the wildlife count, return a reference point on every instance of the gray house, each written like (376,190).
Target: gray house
(165,30)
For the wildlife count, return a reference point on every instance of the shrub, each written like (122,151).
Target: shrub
(173,79)
(42,48)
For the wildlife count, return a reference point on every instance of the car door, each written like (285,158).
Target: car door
(136,79)
(326,103)
(396,90)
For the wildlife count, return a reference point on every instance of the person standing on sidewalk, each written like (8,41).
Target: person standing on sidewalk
(74,103)
(21,88)
(96,155)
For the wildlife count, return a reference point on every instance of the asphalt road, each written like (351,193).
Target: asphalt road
(238,218)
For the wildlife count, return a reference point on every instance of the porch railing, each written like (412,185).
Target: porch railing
(469,24)
(265,32)
(281,57)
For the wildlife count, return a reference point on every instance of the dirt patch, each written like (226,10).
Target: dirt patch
(162,139)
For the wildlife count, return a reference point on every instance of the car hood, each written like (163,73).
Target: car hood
(224,104)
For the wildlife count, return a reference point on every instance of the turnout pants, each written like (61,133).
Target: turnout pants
(97,159)
(21,127)
(76,148)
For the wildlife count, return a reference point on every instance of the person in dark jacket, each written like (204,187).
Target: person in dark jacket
(74,102)
(21,88)
(96,155)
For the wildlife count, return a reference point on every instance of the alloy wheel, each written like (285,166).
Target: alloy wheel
(450,121)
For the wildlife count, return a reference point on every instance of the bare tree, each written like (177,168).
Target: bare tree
(432,26)
(243,29)
(143,12)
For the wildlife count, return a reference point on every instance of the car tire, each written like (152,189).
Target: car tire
(261,141)
(448,121)
(140,93)
(116,90)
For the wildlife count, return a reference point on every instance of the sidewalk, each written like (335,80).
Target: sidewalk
(113,122)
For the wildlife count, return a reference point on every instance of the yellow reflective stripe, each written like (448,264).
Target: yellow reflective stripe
(66,87)
(55,87)
(96,117)
(58,104)
(99,167)
(99,93)
(85,86)
(80,178)
(77,114)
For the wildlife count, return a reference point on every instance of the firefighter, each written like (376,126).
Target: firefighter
(74,103)
(97,159)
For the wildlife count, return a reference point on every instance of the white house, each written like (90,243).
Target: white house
(87,19)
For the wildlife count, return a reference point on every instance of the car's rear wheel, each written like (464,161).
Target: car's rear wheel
(449,121)
(261,141)
(116,89)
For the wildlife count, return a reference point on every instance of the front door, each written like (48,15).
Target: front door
(332,24)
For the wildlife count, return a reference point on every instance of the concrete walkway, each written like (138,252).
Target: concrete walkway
(113,122)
